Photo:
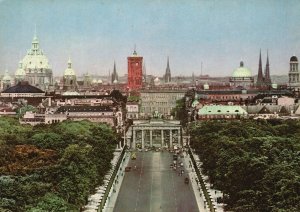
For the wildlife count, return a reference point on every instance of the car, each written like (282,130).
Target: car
(127,169)
(133,156)
(175,157)
(186,180)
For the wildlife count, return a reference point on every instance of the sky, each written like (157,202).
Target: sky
(95,33)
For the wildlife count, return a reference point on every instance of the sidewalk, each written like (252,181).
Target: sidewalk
(95,199)
(113,194)
(196,188)
(213,193)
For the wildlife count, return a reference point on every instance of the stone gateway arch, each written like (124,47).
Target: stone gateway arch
(154,133)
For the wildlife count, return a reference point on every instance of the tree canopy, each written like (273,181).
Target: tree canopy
(52,167)
(255,163)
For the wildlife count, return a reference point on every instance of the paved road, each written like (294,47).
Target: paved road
(154,186)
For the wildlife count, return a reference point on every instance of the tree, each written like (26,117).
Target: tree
(254,163)
(51,202)
(180,111)
(21,111)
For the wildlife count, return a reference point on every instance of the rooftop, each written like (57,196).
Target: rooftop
(23,87)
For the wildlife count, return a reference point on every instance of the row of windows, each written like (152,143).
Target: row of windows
(228,97)
(92,114)
(294,67)
(167,104)
(217,116)
(159,109)
(162,96)
(21,95)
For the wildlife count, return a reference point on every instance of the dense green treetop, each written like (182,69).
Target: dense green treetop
(52,167)
(255,163)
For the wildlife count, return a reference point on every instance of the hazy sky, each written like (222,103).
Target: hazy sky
(95,33)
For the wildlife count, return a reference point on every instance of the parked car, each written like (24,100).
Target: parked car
(128,169)
(133,156)
(186,180)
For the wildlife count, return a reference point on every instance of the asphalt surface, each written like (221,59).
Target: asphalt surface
(153,186)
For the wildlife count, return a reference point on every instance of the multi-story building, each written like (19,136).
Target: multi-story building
(101,114)
(161,101)
(132,110)
(23,92)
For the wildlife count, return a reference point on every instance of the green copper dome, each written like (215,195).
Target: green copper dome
(242,71)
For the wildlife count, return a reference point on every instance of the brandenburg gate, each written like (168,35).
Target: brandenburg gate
(155,133)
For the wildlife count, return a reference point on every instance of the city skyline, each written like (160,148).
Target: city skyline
(97,33)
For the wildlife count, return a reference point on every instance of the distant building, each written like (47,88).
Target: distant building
(168,73)
(101,114)
(7,111)
(114,75)
(236,96)
(20,74)
(132,110)
(260,77)
(242,77)
(23,92)
(286,101)
(22,89)
(69,78)
(267,111)
(221,112)
(161,101)
(37,69)
(267,79)
(6,81)
(263,79)
(135,71)
(87,81)
(294,74)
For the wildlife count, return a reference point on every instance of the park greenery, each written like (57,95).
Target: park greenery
(52,167)
(254,163)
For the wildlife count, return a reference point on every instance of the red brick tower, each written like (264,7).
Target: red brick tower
(135,71)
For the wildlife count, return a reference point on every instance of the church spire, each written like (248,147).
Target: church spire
(35,31)
(114,75)
(69,63)
(260,77)
(35,43)
(168,72)
(267,73)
